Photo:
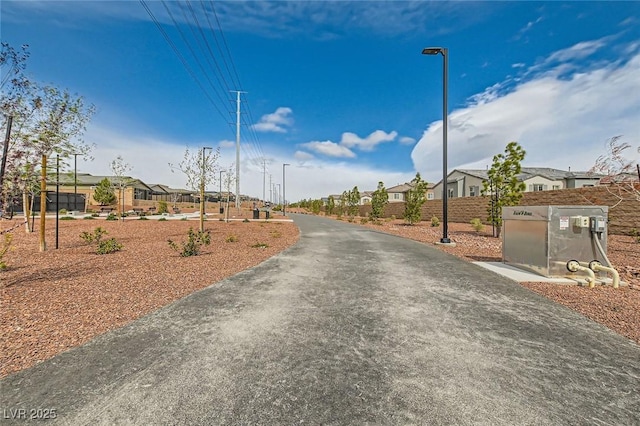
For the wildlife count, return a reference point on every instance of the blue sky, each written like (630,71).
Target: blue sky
(340,90)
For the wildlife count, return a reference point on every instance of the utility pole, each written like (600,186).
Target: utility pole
(264,176)
(237,147)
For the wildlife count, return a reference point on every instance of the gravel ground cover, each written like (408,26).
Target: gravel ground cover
(59,299)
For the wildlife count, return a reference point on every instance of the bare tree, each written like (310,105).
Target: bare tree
(200,169)
(619,170)
(120,180)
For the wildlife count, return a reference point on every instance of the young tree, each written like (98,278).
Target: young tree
(228,181)
(104,193)
(353,200)
(200,169)
(379,199)
(120,181)
(503,184)
(416,197)
(331,205)
(619,170)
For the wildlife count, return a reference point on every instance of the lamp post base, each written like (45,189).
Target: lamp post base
(446,242)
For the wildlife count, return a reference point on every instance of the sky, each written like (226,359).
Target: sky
(338,90)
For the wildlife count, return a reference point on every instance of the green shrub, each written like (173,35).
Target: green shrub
(102,246)
(246,220)
(163,207)
(143,218)
(162,219)
(89,218)
(635,234)
(63,211)
(435,221)
(95,214)
(476,223)
(364,220)
(112,217)
(393,217)
(67,218)
(191,247)
(231,239)
(108,246)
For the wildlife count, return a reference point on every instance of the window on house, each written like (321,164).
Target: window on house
(556,186)
(450,192)
(538,187)
(474,191)
(430,196)
(396,196)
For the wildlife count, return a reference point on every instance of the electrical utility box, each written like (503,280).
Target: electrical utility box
(543,239)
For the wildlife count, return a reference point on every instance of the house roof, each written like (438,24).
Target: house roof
(402,188)
(529,172)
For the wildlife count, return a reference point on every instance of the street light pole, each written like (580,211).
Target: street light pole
(284,194)
(220,192)
(445,195)
(75,182)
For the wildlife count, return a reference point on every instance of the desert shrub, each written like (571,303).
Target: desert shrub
(102,246)
(364,220)
(162,219)
(63,211)
(435,221)
(67,218)
(635,234)
(191,247)
(276,234)
(476,223)
(112,217)
(95,214)
(89,218)
(108,246)
(163,207)
(143,218)
(246,220)
(231,239)
(351,219)
(393,217)
(184,219)
(260,245)
(4,249)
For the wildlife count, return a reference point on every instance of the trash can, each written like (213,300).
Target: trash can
(256,214)
(267,212)
(221,210)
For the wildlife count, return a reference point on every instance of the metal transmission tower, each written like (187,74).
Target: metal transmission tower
(237,146)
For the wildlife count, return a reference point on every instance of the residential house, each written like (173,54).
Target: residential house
(469,182)
(398,193)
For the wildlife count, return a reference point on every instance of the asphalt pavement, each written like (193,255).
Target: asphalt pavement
(348,327)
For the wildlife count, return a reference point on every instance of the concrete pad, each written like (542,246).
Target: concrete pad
(521,275)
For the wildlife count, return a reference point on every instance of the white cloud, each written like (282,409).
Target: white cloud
(277,121)
(351,140)
(226,144)
(329,148)
(578,51)
(406,140)
(307,177)
(561,122)
(303,156)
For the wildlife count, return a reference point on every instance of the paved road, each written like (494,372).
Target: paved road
(349,326)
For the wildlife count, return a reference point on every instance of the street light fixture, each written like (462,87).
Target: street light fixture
(284,194)
(445,195)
